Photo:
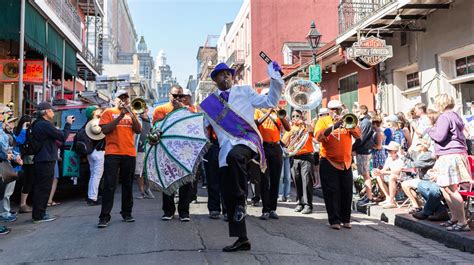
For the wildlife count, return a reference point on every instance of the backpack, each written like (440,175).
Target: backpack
(83,145)
(31,146)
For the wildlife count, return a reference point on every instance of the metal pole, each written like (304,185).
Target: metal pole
(22,57)
(62,70)
(45,68)
(74,88)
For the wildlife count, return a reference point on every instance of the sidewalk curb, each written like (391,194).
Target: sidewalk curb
(433,231)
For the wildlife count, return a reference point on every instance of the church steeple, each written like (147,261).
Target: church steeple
(142,47)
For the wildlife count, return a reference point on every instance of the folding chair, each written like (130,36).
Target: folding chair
(407,173)
(469,194)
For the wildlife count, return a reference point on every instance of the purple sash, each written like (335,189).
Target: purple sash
(222,115)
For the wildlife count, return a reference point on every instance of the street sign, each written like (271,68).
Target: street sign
(370,50)
(315,73)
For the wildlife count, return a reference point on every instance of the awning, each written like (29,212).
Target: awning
(35,29)
(55,46)
(10,20)
(70,63)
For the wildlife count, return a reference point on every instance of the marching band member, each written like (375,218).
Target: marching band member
(176,97)
(335,165)
(301,135)
(120,125)
(269,124)
(230,112)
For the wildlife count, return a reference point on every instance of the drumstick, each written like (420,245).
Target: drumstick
(268,60)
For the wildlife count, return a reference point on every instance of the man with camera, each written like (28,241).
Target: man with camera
(119,124)
(44,132)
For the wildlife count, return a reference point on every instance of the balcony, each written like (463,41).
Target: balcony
(353,12)
(67,13)
(236,59)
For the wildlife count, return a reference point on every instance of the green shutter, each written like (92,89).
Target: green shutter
(35,29)
(10,20)
(55,47)
(71,62)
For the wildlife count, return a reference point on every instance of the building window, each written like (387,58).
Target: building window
(465,65)
(403,38)
(413,80)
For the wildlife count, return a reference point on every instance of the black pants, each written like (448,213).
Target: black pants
(302,171)
(271,178)
(113,166)
(337,191)
(28,177)
(42,185)
(185,193)
(211,168)
(234,185)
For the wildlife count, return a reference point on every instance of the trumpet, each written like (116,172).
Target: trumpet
(138,105)
(281,113)
(349,121)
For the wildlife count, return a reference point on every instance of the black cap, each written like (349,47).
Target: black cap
(45,106)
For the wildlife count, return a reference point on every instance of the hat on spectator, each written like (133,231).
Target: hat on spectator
(11,119)
(44,106)
(90,111)
(334,104)
(187,92)
(392,118)
(323,111)
(120,92)
(392,146)
(94,131)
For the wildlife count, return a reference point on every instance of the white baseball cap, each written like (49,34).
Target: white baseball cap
(120,93)
(392,146)
(187,92)
(323,111)
(334,104)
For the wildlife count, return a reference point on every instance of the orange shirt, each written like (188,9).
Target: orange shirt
(121,141)
(161,111)
(337,147)
(269,131)
(307,147)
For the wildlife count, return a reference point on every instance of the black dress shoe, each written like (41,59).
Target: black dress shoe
(237,246)
(239,213)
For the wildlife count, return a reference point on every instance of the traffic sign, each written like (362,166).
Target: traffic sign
(315,73)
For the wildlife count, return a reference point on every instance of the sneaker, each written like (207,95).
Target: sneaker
(167,217)
(46,218)
(92,202)
(299,208)
(128,219)
(288,199)
(141,196)
(264,216)
(8,219)
(4,230)
(184,218)
(214,214)
(365,202)
(307,210)
(280,199)
(273,215)
(102,224)
(420,215)
(194,201)
(149,194)
(25,209)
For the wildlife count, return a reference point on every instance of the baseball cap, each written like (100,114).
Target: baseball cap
(334,104)
(120,93)
(323,111)
(11,119)
(392,118)
(392,146)
(44,106)
(187,92)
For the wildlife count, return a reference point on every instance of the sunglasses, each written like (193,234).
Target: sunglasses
(178,95)
(296,116)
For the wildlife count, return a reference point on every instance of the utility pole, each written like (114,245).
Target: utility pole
(22,58)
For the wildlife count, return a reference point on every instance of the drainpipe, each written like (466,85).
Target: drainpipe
(22,57)
(62,70)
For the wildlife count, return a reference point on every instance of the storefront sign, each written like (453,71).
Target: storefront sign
(371,50)
(32,71)
(315,73)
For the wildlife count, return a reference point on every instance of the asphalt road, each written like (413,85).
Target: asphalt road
(294,239)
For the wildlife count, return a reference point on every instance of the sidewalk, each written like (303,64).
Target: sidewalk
(463,241)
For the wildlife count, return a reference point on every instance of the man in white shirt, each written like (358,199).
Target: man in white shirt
(230,112)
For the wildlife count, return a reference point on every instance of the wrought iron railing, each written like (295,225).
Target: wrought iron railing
(236,58)
(67,12)
(353,12)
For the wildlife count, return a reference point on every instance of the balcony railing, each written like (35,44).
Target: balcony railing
(352,12)
(67,12)
(236,59)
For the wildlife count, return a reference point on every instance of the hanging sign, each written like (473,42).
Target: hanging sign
(371,50)
(315,73)
(32,71)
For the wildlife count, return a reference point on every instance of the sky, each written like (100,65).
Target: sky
(179,27)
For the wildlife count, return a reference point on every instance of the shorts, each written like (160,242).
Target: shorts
(139,163)
(363,164)
(411,183)
(452,169)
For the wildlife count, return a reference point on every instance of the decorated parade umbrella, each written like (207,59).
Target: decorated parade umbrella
(172,157)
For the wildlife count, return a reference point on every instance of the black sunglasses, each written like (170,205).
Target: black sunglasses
(296,116)
(178,95)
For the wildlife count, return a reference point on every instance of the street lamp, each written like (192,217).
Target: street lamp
(313,37)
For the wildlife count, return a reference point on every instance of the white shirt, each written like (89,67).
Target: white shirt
(396,164)
(244,100)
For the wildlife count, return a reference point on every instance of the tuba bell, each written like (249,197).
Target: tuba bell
(138,105)
(303,94)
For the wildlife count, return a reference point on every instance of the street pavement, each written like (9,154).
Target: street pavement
(293,239)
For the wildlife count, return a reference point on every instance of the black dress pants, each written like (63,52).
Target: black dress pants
(234,185)
(42,184)
(169,207)
(113,166)
(211,168)
(302,171)
(270,180)
(337,191)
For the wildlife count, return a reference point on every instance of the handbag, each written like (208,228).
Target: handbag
(7,172)
(71,163)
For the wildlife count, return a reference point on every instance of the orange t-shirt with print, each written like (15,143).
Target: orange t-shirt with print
(161,111)
(121,141)
(308,146)
(269,131)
